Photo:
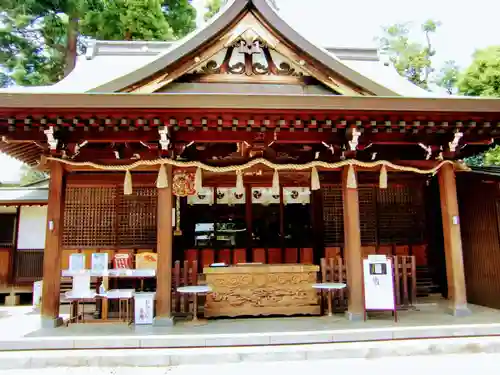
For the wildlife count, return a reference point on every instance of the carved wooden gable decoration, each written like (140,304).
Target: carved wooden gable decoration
(250,57)
(249,51)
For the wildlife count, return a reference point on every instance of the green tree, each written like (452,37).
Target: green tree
(181,16)
(213,7)
(475,160)
(40,39)
(411,59)
(492,156)
(448,75)
(127,20)
(482,77)
(30,175)
(23,58)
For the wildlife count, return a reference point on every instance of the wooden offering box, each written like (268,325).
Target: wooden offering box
(280,289)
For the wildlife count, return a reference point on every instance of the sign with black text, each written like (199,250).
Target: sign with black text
(378,283)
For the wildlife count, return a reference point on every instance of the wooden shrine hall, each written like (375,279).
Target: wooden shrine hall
(246,143)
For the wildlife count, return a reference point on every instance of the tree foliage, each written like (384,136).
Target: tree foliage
(482,77)
(447,77)
(181,16)
(492,156)
(213,7)
(40,39)
(127,20)
(32,42)
(30,175)
(411,59)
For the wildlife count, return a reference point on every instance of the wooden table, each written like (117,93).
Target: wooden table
(77,305)
(124,297)
(264,289)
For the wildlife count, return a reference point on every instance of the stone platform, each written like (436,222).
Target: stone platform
(252,354)
(23,332)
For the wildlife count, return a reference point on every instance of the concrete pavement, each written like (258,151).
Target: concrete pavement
(208,356)
(484,364)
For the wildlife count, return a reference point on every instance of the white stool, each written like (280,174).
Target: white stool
(330,287)
(195,290)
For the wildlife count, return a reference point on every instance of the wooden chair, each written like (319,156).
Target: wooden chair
(239,256)
(307,255)
(274,256)
(291,255)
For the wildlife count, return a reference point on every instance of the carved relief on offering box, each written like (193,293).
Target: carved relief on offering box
(262,290)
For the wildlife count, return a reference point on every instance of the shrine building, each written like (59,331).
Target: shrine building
(245,143)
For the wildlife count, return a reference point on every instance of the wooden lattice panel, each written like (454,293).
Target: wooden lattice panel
(137,218)
(400,215)
(90,217)
(333,216)
(368,214)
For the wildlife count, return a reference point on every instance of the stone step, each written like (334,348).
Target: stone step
(204,356)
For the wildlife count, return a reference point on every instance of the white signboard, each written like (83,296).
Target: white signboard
(99,262)
(77,262)
(81,285)
(143,305)
(379,284)
(37,294)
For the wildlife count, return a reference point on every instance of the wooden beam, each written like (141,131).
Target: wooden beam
(452,242)
(52,253)
(12,251)
(352,249)
(164,249)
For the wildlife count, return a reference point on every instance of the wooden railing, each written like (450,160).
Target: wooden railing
(405,280)
(28,265)
(183,274)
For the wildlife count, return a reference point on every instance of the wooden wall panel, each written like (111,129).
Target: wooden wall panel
(4,265)
(480,238)
(65,257)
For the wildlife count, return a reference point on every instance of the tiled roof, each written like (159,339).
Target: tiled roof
(20,195)
(493,171)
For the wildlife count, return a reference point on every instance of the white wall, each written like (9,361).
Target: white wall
(32,223)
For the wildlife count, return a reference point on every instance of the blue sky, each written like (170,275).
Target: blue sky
(466,26)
